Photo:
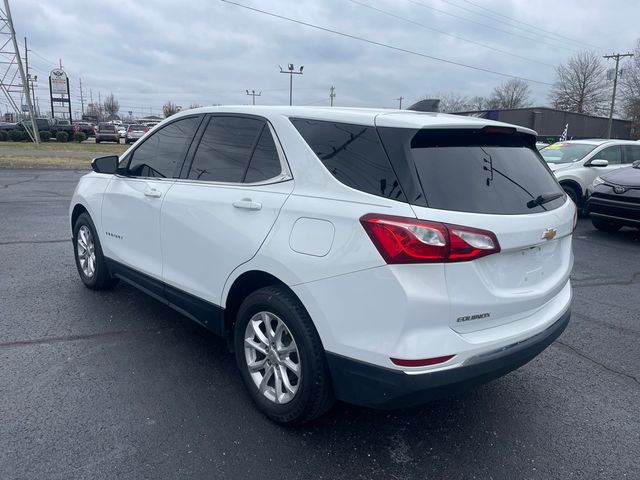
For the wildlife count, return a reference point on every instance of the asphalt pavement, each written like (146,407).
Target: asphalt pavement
(108,385)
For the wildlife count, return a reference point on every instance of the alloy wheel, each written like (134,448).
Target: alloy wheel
(86,251)
(272,357)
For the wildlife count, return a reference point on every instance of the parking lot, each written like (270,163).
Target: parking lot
(116,385)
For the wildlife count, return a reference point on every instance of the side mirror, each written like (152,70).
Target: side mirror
(107,164)
(599,162)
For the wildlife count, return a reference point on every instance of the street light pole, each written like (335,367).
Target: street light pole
(253,94)
(290,71)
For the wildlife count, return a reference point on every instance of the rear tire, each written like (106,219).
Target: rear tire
(90,260)
(605,226)
(274,319)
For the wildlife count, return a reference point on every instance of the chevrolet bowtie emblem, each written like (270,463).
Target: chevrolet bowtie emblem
(549,233)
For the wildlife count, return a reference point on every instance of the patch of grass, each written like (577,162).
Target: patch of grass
(27,161)
(106,148)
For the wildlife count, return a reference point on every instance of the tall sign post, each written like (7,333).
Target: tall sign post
(60,92)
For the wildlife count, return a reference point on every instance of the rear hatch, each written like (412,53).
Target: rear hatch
(494,180)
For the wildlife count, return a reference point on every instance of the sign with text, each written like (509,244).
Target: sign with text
(58,80)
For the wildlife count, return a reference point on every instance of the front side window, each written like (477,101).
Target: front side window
(164,151)
(353,154)
(632,153)
(612,154)
(225,149)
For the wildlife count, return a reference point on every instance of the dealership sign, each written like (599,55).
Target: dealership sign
(58,80)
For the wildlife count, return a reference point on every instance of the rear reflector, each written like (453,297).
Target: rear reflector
(408,240)
(425,362)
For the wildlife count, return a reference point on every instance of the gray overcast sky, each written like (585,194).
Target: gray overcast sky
(209,52)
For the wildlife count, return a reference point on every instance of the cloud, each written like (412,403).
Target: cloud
(207,51)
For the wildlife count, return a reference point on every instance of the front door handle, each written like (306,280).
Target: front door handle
(247,204)
(152,192)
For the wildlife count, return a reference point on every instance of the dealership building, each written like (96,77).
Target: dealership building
(550,123)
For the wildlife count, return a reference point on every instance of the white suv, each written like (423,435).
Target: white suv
(383,258)
(577,163)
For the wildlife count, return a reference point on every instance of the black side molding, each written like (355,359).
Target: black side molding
(205,313)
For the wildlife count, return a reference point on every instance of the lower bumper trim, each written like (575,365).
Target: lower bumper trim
(373,386)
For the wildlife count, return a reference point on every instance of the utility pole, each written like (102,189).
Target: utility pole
(400,100)
(332,94)
(290,71)
(253,95)
(81,98)
(617,56)
(30,79)
(13,59)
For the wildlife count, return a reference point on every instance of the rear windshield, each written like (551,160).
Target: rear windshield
(480,172)
(566,152)
(107,127)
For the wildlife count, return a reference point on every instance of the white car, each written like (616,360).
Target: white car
(576,163)
(378,257)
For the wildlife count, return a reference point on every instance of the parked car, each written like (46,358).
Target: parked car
(383,258)
(614,199)
(134,132)
(106,132)
(122,131)
(577,163)
(541,145)
(84,127)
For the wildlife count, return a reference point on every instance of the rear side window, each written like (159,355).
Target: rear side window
(479,172)
(265,162)
(353,154)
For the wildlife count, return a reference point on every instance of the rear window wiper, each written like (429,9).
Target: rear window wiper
(544,198)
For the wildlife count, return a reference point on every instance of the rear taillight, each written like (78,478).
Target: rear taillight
(407,240)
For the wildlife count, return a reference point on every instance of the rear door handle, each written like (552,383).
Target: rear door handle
(247,204)
(152,192)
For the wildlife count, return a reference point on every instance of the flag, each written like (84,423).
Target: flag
(563,137)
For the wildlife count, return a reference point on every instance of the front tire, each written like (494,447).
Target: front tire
(90,261)
(606,226)
(281,358)
(572,194)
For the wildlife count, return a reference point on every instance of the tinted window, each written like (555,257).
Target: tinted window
(225,149)
(482,173)
(265,163)
(632,153)
(353,154)
(164,151)
(612,154)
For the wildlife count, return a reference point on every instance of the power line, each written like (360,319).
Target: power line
(531,39)
(385,45)
(42,58)
(534,30)
(530,25)
(404,19)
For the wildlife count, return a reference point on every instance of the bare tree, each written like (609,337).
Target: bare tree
(169,109)
(477,103)
(94,110)
(111,106)
(581,85)
(194,105)
(514,93)
(630,83)
(453,102)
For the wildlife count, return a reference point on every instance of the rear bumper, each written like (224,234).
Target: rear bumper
(378,387)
